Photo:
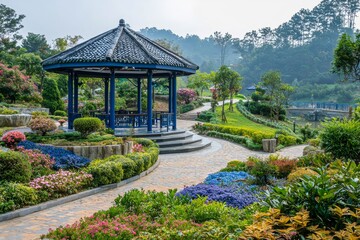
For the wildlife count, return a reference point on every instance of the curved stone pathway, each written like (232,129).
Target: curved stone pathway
(175,171)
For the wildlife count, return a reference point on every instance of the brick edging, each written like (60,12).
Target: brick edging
(56,202)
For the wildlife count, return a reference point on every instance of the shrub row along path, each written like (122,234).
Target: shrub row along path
(192,115)
(174,171)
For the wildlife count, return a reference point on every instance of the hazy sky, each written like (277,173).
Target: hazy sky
(88,18)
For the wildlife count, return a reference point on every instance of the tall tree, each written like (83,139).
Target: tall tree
(10,24)
(36,43)
(51,96)
(347,57)
(234,80)
(61,44)
(222,83)
(223,41)
(169,45)
(275,91)
(201,81)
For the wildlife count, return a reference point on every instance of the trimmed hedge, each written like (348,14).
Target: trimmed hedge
(132,164)
(16,195)
(60,113)
(255,136)
(247,142)
(105,172)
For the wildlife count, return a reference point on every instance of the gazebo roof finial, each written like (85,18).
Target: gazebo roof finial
(122,23)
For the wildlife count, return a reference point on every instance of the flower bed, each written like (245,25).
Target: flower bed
(55,172)
(320,206)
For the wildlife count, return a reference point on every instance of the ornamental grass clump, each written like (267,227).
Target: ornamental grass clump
(11,139)
(61,183)
(42,125)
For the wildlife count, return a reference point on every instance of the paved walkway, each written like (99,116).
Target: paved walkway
(175,171)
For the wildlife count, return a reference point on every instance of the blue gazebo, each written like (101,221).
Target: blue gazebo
(122,53)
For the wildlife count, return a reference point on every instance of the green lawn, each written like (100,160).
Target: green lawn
(236,119)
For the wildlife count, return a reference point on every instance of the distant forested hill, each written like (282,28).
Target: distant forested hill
(301,49)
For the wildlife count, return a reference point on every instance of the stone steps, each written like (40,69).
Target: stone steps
(180,142)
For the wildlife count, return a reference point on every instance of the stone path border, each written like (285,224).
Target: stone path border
(56,202)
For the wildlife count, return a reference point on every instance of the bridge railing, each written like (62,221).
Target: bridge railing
(323,105)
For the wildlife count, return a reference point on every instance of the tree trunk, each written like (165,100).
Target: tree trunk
(223,117)
(231,107)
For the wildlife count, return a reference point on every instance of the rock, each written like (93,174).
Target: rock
(14,120)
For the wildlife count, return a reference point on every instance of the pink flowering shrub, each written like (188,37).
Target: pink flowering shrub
(61,183)
(11,139)
(37,158)
(137,147)
(42,125)
(186,95)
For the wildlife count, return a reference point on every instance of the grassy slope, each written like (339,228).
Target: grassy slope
(236,119)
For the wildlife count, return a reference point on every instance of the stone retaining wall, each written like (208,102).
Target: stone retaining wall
(14,120)
(100,152)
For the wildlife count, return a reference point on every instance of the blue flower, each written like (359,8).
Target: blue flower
(232,196)
(228,178)
(64,159)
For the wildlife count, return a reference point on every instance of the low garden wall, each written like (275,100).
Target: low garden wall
(30,110)
(14,120)
(100,152)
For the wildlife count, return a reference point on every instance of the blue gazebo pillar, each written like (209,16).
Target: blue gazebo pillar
(170,95)
(76,95)
(139,95)
(173,99)
(112,99)
(149,101)
(106,95)
(70,100)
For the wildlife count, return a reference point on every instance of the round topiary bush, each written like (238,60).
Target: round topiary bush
(60,113)
(105,172)
(14,167)
(87,125)
(42,125)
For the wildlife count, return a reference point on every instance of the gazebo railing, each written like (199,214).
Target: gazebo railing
(138,120)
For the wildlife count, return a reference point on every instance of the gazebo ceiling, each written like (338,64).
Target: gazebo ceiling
(128,52)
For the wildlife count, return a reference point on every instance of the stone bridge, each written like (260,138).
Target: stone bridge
(317,114)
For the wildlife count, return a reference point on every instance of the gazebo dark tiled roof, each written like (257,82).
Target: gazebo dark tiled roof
(119,47)
(122,53)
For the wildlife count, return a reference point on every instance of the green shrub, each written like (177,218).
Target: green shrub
(105,172)
(140,164)
(287,140)
(14,167)
(315,160)
(145,142)
(42,125)
(315,142)
(87,125)
(7,111)
(128,165)
(60,113)
(300,173)
(16,195)
(206,116)
(341,139)
(154,154)
(262,171)
(320,194)
(37,114)
(235,166)
(89,106)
